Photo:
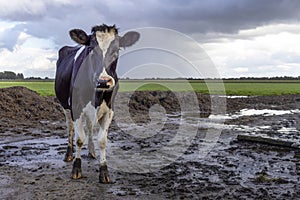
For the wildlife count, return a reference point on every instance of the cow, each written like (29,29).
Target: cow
(86,83)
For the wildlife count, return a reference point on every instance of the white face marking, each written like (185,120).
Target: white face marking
(104,39)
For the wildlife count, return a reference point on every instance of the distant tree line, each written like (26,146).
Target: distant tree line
(11,75)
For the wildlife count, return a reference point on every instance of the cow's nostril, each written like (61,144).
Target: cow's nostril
(102,84)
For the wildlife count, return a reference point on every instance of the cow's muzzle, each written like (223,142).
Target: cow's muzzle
(105,82)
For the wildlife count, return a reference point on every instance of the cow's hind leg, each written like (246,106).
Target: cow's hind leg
(70,130)
(102,139)
(80,138)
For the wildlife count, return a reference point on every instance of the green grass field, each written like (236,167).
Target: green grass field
(235,87)
(44,88)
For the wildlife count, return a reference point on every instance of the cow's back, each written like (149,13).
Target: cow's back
(63,76)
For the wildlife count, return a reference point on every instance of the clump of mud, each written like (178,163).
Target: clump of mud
(278,102)
(141,101)
(19,103)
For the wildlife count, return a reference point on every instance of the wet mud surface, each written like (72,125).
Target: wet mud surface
(205,162)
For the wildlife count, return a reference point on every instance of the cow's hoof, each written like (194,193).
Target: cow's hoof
(69,155)
(76,171)
(104,176)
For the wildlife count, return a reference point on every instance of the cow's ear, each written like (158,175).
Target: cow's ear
(129,39)
(79,36)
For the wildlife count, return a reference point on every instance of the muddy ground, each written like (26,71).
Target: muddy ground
(33,142)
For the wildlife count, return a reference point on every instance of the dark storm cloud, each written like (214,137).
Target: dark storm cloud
(230,15)
(206,15)
(53,20)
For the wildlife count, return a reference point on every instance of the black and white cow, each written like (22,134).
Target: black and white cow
(85,84)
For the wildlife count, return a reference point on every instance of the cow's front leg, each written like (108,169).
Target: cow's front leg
(102,139)
(89,131)
(79,138)
(70,131)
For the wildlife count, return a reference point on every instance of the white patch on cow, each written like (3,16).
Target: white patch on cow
(78,53)
(79,135)
(89,124)
(104,39)
(90,112)
(88,115)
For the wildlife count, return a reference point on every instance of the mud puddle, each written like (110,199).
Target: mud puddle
(27,153)
(277,124)
(226,170)
(202,160)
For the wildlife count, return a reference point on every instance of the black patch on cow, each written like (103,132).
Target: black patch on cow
(65,51)
(101,96)
(64,74)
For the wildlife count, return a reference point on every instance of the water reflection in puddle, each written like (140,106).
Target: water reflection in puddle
(288,130)
(29,152)
(266,112)
(277,129)
(253,112)
(234,97)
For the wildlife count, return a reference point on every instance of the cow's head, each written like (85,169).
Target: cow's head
(108,43)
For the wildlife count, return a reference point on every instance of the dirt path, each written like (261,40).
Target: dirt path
(33,143)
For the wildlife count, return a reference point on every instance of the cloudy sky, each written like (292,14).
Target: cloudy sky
(242,37)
